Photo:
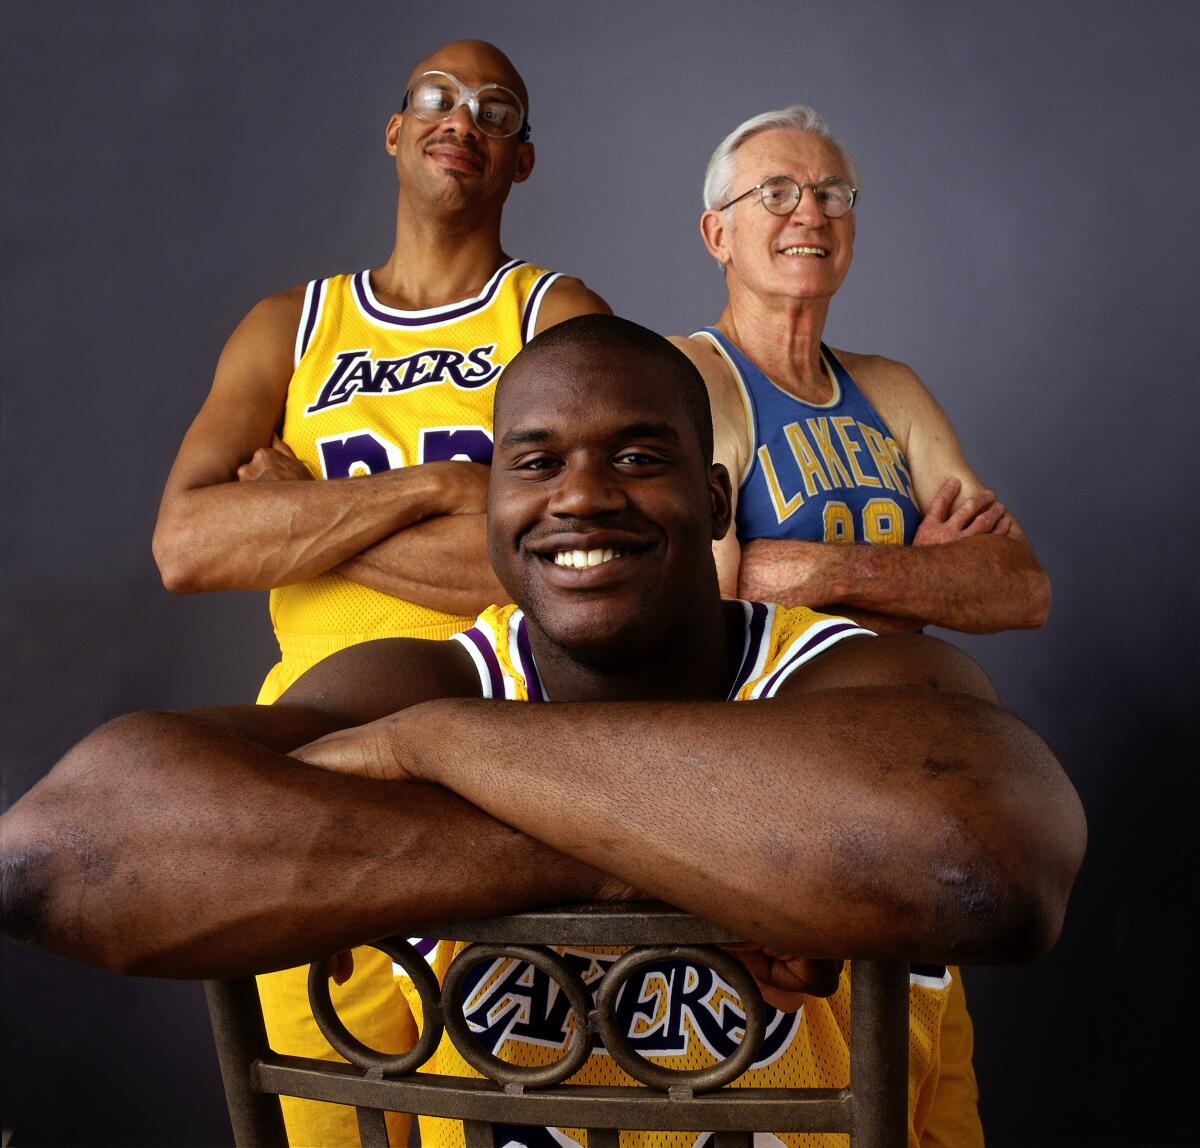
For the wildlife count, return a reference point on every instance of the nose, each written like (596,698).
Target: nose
(462,122)
(808,210)
(586,489)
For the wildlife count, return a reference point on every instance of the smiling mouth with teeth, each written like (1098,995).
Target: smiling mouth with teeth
(819,251)
(581,558)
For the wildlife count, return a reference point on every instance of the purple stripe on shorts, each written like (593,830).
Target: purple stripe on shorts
(758,620)
(533,681)
(816,640)
(314,307)
(435,316)
(539,289)
(489,656)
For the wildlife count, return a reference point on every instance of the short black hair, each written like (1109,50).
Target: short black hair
(597,333)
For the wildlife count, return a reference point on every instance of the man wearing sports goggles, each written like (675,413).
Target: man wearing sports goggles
(497,111)
(385,374)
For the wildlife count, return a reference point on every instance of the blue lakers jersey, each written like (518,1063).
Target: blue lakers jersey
(830,472)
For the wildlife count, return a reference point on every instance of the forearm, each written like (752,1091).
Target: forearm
(441,563)
(256,535)
(920,834)
(979,585)
(163,845)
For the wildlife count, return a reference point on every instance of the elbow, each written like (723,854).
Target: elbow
(41,891)
(1001,921)
(1009,908)
(1037,599)
(176,560)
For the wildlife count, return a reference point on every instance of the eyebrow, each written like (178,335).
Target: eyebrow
(527,436)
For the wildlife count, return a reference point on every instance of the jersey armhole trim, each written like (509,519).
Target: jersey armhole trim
(491,677)
(310,316)
(814,641)
(533,304)
(747,403)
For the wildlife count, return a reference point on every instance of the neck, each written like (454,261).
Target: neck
(440,255)
(782,336)
(696,660)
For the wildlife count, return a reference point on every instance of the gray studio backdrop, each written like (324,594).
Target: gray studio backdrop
(1026,241)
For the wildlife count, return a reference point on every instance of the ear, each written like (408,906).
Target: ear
(720,491)
(524,166)
(391,135)
(715,229)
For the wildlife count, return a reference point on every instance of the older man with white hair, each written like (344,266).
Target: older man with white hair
(829,446)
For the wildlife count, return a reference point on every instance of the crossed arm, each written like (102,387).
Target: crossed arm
(192,845)
(239,511)
(970,568)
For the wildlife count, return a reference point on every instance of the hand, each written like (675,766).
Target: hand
(274,463)
(467,486)
(341,966)
(785,980)
(981,513)
(364,750)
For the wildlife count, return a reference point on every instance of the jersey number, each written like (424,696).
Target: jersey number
(882,522)
(365,452)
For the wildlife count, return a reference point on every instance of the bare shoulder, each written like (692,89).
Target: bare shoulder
(566,298)
(268,329)
(722,389)
(372,679)
(895,660)
(893,388)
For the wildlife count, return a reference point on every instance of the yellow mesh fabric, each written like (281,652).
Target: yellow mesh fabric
(388,378)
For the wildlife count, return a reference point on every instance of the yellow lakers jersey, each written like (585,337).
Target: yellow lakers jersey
(375,388)
(685,1016)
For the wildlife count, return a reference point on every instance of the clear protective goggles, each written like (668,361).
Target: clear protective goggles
(497,112)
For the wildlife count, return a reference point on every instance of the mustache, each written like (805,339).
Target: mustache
(465,142)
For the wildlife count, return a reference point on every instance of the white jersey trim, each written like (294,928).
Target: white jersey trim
(747,405)
(310,318)
(533,304)
(815,640)
(365,301)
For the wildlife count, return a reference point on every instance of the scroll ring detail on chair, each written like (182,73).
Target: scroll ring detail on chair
(349,1045)
(701,1079)
(502,1072)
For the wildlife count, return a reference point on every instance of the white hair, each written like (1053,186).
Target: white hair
(799,117)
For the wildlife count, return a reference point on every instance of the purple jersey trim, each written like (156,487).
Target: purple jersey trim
(531,304)
(433,315)
(824,635)
(484,647)
(758,621)
(310,320)
(533,680)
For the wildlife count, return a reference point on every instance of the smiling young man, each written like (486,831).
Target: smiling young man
(873,801)
(385,376)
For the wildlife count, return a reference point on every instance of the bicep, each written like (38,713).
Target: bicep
(247,397)
(370,680)
(914,661)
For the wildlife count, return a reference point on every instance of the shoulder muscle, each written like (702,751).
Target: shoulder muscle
(899,660)
(372,679)
(566,298)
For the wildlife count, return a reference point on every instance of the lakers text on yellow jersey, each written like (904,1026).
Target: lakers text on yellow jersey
(376,388)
